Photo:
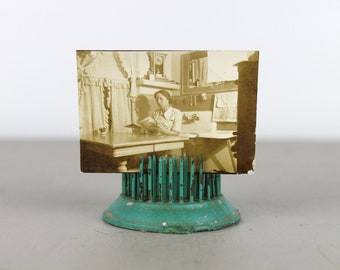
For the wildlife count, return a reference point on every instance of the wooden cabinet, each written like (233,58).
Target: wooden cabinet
(246,115)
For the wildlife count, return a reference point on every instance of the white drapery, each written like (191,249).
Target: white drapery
(132,65)
(120,106)
(103,105)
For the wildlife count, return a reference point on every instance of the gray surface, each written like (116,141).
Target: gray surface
(50,214)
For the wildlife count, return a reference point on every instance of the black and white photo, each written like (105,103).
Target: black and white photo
(199,104)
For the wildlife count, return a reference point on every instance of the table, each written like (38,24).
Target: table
(216,148)
(122,145)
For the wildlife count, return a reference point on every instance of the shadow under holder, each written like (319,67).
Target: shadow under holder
(171,197)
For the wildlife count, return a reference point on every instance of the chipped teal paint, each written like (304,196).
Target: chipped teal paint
(169,200)
(171,217)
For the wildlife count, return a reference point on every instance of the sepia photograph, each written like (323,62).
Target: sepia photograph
(193,105)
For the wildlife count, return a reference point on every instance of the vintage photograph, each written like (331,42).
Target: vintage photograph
(196,105)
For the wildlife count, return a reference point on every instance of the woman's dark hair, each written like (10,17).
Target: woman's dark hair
(163,93)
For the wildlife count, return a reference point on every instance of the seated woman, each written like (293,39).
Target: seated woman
(168,119)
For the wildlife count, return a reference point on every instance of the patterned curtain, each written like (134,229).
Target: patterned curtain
(104,104)
(120,106)
(91,106)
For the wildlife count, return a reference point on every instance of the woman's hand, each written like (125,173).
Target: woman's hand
(167,132)
(161,130)
(139,131)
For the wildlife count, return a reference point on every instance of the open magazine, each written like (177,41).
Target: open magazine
(147,124)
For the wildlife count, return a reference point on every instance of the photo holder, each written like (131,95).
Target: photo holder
(171,197)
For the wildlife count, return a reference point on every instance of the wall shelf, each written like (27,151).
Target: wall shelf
(159,84)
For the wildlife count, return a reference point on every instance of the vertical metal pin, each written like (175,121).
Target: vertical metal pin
(200,179)
(160,178)
(213,186)
(218,184)
(181,180)
(124,184)
(149,178)
(186,185)
(208,185)
(175,181)
(170,174)
(154,179)
(141,177)
(192,184)
(133,186)
(128,186)
(165,186)
(145,187)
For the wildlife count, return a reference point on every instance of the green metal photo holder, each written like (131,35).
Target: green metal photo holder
(171,197)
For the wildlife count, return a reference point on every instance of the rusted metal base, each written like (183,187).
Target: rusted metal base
(170,217)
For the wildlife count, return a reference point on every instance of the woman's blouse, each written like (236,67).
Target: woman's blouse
(171,119)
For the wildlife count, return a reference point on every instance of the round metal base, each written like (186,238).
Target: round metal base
(175,218)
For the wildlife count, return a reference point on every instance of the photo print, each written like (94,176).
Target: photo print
(198,105)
